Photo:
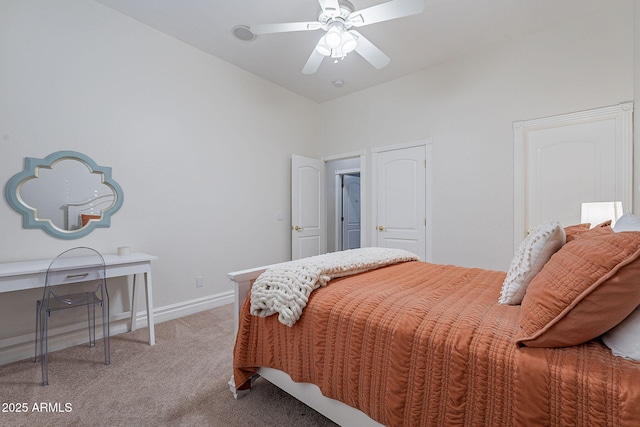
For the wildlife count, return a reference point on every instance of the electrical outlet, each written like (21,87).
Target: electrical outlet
(199,281)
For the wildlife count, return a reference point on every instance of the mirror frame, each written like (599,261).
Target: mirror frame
(30,221)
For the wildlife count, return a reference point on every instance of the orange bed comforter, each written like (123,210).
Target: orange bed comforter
(420,344)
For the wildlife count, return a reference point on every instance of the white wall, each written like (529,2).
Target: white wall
(200,148)
(467,106)
(636,98)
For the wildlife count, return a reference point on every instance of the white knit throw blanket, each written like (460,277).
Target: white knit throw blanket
(285,288)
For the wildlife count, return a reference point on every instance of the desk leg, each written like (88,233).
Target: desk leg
(133,304)
(149,292)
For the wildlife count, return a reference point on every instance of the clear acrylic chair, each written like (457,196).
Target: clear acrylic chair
(82,268)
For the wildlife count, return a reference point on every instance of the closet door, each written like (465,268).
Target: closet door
(565,160)
(400,198)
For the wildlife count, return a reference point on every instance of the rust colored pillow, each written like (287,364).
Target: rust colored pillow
(583,230)
(574,230)
(598,230)
(585,289)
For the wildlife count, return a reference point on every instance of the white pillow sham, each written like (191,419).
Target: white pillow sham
(624,339)
(627,222)
(533,253)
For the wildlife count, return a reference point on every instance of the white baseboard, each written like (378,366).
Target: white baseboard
(181,309)
(23,346)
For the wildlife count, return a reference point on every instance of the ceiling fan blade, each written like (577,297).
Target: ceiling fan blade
(313,63)
(330,6)
(284,28)
(386,11)
(370,52)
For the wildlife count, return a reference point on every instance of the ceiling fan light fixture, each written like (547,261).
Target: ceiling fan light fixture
(349,42)
(337,19)
(322,47)
(333,38)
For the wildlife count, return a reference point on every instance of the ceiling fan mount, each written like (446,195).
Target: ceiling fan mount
(337,18)
(345,9)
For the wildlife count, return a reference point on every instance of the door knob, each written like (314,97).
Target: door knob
(381,228)
(297,228)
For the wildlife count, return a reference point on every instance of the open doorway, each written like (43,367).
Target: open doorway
(343,196)
(348,209)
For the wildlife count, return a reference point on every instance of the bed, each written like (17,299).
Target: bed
(412,343)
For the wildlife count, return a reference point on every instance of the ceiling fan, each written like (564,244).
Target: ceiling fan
(337,18)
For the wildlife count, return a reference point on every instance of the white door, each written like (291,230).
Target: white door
(350,212)
(308,231)
(565,160)
(566,166)
(400,199)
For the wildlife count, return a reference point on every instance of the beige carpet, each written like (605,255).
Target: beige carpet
(181,381)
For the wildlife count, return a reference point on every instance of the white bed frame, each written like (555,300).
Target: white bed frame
(307,393)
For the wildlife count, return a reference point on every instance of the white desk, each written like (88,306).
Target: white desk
(17,276)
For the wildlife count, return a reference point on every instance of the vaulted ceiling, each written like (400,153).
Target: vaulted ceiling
(446,29)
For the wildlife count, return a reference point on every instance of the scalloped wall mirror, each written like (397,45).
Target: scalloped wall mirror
(66,194)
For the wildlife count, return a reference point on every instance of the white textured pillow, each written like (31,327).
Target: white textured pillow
(624,339)
(627,222)
(533,253)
